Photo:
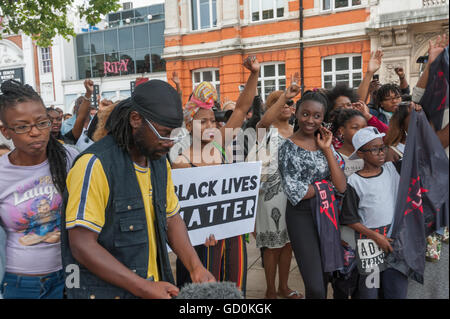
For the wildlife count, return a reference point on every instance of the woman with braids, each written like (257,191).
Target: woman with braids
(33,179)
(226,259)
(270,224)
(305,158)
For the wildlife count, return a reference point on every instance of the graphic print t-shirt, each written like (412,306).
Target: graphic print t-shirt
(30,214)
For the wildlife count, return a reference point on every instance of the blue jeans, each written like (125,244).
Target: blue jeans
(394,285)
(50,286)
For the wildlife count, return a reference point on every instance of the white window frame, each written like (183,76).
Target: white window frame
(333,4)
(262,78)
(333,71)
(46,60)
(214,81)
(211,26)
(274,9)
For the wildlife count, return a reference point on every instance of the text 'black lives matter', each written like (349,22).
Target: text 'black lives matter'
(206,215)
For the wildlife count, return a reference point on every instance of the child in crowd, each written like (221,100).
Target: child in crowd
(368,208)
(346,122)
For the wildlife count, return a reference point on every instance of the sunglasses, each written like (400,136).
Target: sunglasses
(165,139)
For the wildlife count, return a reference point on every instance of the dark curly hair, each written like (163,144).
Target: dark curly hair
(13,93)
(384,92)
(341,117)
(341,90)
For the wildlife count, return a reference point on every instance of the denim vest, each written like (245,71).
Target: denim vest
(125,234)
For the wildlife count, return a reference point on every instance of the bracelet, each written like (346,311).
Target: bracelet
(87,99)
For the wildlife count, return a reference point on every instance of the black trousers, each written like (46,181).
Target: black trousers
(306,247)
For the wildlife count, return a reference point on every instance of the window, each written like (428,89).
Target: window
(267,9)
(209,75)
(47,92)
(272,77)
(339,4)
(204,14)
(123,50)
(342,69)
(127,5)
(46,60)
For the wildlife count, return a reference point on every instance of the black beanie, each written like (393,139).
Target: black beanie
(159,102)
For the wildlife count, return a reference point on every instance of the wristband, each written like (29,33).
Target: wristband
(87,99)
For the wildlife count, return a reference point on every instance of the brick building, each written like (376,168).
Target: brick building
(326,41)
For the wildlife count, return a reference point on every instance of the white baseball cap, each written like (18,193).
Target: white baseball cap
(362,137)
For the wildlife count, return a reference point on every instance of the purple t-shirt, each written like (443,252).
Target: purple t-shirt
(30,213)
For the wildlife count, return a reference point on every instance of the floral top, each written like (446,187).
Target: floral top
(300,168)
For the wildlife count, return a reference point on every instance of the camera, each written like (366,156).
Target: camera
(221,116)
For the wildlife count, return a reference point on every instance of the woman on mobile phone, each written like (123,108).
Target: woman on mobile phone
(304,158)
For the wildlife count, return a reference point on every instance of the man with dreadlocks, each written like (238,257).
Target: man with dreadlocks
(33,178)
(121,204)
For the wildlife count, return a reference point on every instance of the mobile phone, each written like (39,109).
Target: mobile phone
(376,77)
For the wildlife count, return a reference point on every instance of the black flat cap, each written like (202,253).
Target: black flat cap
(159,102)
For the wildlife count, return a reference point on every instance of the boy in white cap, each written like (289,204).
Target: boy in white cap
(368,208)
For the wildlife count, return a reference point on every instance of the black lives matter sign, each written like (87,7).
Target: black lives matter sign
(219,200)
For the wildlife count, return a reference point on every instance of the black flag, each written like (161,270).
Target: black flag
(325,215)
(422,200)
(435,99)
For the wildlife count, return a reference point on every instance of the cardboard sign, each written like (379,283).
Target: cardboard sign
(219,200)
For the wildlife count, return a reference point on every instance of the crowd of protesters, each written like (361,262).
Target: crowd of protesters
(95,189)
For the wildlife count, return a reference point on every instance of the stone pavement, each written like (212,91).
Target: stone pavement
(256,281)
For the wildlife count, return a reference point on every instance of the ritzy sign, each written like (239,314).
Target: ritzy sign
(115,67)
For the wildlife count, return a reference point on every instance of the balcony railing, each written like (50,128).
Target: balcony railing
(434,3)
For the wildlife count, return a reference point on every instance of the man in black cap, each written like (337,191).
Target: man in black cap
(121,208)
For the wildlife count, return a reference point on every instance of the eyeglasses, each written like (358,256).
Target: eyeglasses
(390,98)
(22,129)
(165,139)
(376,150)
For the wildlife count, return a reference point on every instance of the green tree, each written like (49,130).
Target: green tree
(44,19)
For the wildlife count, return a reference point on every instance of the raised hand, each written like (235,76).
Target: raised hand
(175,78)
(324,138)
(251,63)
(375,61)
(294,89)
(363,108)
(374,86)
(400,72)
(436,48)
(89,86)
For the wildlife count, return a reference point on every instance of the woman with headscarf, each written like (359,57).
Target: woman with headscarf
(226,259)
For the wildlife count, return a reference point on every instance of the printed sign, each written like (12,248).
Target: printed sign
(369,254)
(11,74)
(219,200)
(116,67)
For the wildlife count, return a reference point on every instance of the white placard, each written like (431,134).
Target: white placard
(219,200)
